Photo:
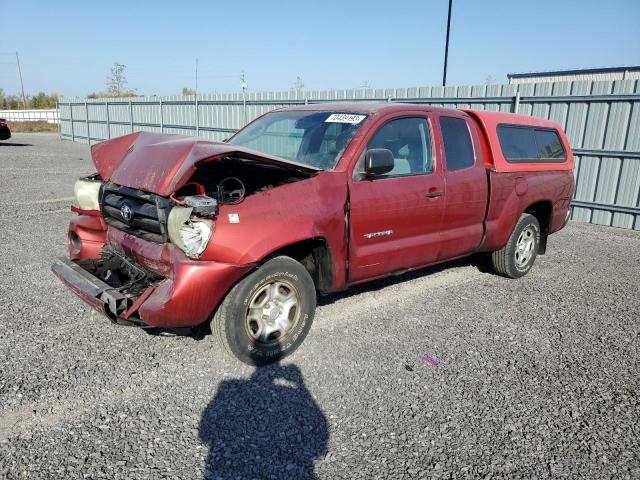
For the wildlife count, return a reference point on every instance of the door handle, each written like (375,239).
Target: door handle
(433,194)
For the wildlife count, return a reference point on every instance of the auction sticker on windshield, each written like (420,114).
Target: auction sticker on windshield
(345,118)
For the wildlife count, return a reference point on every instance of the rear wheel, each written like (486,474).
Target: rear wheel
(268,314)
(516,258)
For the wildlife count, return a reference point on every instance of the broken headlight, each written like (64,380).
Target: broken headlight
(86,191)
(189,233)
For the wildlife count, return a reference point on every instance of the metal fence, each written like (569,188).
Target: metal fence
(47,115)
(601,118)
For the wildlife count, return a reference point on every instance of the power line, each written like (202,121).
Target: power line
(220,76)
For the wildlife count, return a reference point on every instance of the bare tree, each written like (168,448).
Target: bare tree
(186,91)
(298,85)
(117,81)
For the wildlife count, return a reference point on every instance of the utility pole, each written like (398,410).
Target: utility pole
(196,103)
(24,99)
(446,47)
(243,84)
(196,76)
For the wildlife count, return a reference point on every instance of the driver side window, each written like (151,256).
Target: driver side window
(409,140)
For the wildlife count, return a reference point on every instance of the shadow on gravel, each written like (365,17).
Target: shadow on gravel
(5,144)
(197,333)
(268,426)
(481,261)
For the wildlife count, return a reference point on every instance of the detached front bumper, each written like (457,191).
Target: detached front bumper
(117,304)
(90,288)
(187,297)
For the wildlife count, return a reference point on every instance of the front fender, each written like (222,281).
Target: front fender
(269,221)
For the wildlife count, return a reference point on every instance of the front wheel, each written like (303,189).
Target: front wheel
(516,258)
(268,314)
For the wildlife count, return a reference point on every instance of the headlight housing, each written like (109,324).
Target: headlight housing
(190,234)
(87,192)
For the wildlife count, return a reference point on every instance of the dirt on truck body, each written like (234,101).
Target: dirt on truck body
(175,231)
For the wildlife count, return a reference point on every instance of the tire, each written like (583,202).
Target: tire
(517,257)
(267,315)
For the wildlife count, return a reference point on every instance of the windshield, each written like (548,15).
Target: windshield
(313,138)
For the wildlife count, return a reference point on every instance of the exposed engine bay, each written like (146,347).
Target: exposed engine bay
(229,180)
(187,217)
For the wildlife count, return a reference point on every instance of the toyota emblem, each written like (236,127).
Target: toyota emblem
(126,213)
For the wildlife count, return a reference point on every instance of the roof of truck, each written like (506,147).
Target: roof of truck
(368,107)
(487,122)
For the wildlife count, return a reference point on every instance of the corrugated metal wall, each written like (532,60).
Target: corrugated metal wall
(601,118)
(595,76)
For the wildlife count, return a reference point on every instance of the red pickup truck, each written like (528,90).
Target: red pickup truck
(174,231)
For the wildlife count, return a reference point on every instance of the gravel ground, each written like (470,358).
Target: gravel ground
(447,373)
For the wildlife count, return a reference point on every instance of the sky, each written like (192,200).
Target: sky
(68,47)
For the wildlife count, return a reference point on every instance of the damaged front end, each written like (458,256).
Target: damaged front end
(160,236)
(113,284)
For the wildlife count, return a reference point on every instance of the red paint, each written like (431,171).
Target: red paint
(477,210)
(94,302)
(138,303)
(273,219)
(162,163)
(91,230)
(465,198)
(506,206)
(191,289)
(191,294)
(80,211)
(396,204)
(487,123)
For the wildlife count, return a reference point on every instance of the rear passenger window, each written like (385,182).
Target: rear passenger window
(457,143)
(530,144)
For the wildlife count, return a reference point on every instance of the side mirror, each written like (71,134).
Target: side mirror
(378,161)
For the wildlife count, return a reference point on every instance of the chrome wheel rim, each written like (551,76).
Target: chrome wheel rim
(525,247)
(272,312)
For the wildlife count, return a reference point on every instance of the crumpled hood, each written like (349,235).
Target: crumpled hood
(162,163)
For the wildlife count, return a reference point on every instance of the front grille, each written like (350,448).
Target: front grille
(136,212)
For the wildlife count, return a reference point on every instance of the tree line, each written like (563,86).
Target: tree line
(116,86)
(37,101)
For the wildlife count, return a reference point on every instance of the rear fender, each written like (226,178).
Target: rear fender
(501,219)
(513,193)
